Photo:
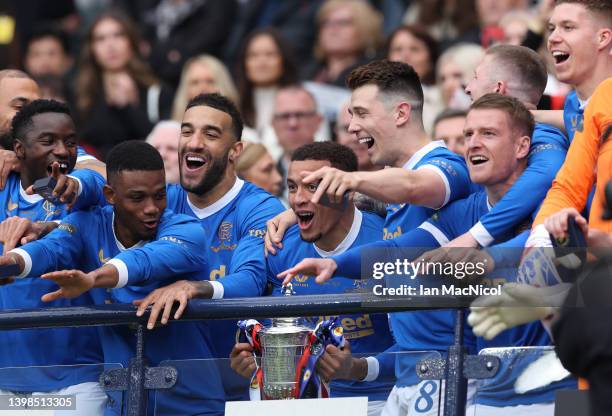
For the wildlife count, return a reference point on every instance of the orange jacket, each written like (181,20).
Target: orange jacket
(589,159)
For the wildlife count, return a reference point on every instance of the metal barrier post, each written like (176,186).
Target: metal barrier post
(455,392)
(136,393)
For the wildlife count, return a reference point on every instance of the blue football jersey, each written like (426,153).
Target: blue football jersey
(573,114)
(402,218)
(234,227)
(368,334)
(87,241)
(77,347)
(546,155)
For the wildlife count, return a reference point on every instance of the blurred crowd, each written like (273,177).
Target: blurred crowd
(128,68)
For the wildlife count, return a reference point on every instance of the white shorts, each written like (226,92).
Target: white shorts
(90,401)
(538,409)
(375,407)
(422,399)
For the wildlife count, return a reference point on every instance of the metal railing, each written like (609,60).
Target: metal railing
(455,369)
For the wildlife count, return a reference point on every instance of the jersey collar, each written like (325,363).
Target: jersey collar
(120,246)
(31,199)
(420,154)
(348,240)
(202,213)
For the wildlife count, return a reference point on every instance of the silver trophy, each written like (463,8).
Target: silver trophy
(282,345)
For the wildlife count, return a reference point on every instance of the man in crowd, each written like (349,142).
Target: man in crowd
(386,108)
(16,90)
(130,247)
(295,122)
(323,231)
(45,144)
(498,131)
(232,212)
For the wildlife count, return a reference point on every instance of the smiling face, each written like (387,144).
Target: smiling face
(50,138)
(492,146)
(139,200)
(374,125)
(206,141)
(314,220)
(110,45)
(573,42)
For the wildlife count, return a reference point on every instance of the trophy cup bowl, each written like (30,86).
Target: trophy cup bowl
(282,346)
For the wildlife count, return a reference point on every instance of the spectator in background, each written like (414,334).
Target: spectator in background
(179,30)
(117,96)
(414,46)
(265,64)
(515,25)
(350,32)
(295,123)
(448,126)
(257,166)
(202,74)
(47,53)
(165,137)
(445,20)
(455,68)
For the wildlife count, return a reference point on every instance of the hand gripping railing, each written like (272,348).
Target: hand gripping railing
(455,369)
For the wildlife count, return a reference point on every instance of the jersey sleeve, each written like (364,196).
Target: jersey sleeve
(453,172)
(83,156)
(574,181)
(91,189)
(247,275)
(524,196)
(176,251)
(60,249)
(349,263)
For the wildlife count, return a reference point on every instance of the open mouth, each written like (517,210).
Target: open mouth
(151,224)
(63,167)
(194,162)
(368,141)
(478,160)
(560,56)
(304,219)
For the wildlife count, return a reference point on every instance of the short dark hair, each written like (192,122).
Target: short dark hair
(47,31)
(526,66)
(390,78)
(602,8)
(448,113)
(521,118)
(23,119)
(339,156)
(132,155)
(221,103)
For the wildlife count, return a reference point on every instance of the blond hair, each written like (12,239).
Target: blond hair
(251,153)
(223,81)
(367,19)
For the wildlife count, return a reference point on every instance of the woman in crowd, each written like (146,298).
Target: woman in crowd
(257,166)
(414,46)
(265,64)
(349,35)
(202,74)
(117,97)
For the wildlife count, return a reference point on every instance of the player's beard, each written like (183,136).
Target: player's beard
(212,177)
